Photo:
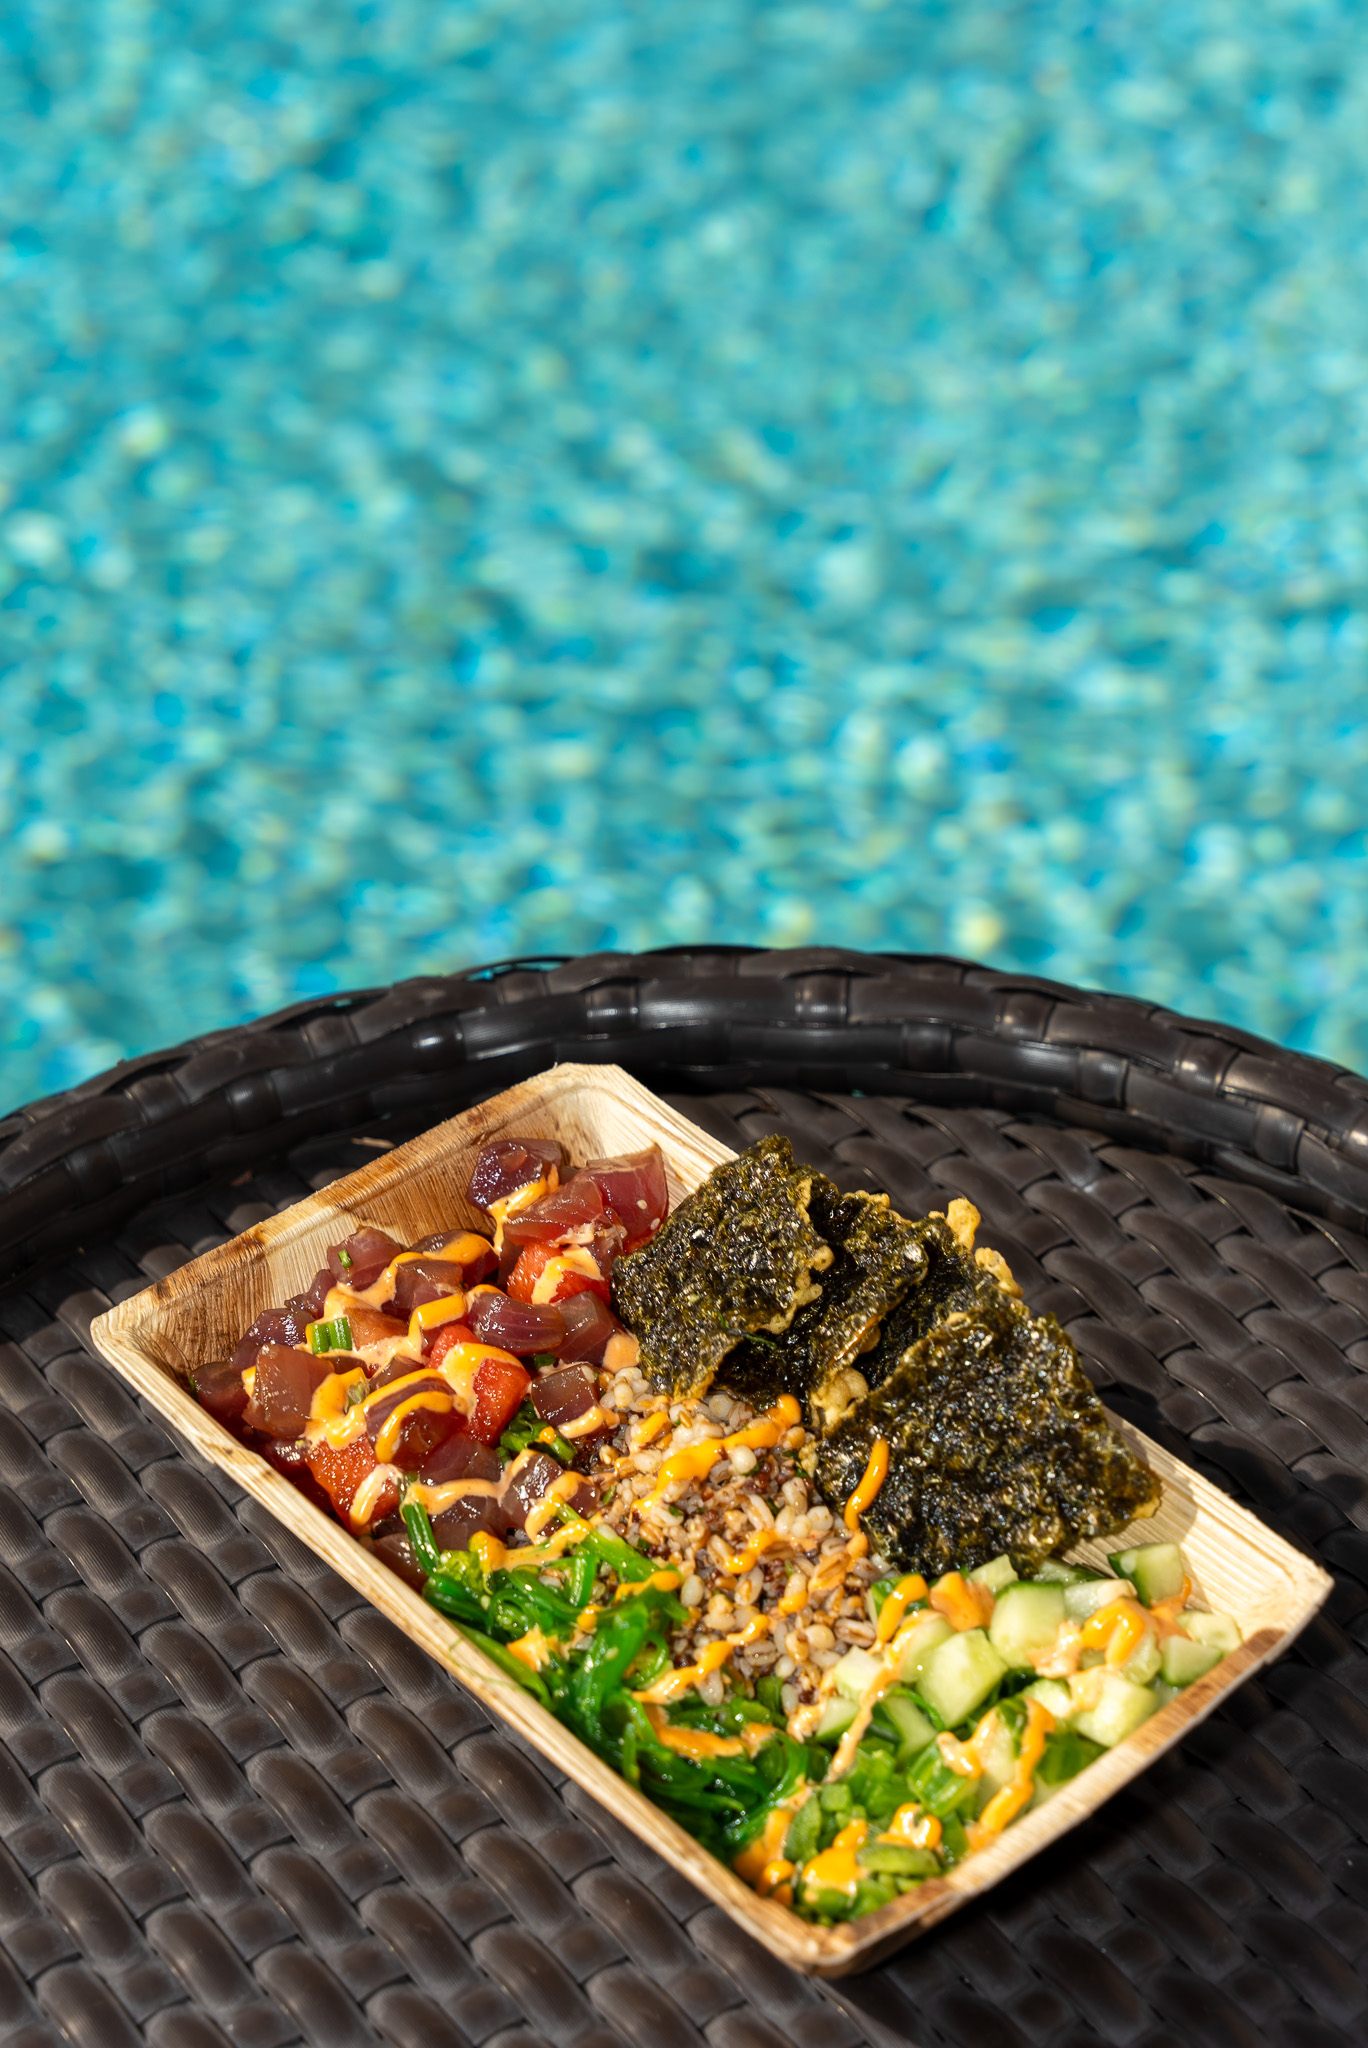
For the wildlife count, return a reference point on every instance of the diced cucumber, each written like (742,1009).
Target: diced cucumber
(926,1634)
(998,1755)
(1218,1631)
(1164,1692)
(1121,1707)
(804,1830)
(1142,1665)
(896,1859)
(1185,1661)
(997,1573)
(1054,1572)
(959,1676)
(914,1731)
(837,1714)
(936,1787)
(1026,1618)
(1088,1595)
(856,1672)
(1053,1695)
(1156,1570)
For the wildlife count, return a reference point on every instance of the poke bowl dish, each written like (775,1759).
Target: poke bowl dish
(773,1506)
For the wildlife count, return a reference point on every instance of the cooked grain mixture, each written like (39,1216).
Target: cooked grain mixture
(721,1491)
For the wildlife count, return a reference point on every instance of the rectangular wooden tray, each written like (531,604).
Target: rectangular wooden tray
(156,1338)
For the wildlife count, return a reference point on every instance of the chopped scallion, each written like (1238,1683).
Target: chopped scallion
(528,1429)
(421,1539)
(330,1336)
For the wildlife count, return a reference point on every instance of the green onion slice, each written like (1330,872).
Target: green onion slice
(330,1336)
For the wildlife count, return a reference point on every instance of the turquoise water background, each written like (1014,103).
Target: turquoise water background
(543,475)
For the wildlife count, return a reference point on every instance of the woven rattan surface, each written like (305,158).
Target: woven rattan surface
(236,1806)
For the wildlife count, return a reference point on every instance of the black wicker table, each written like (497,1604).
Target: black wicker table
(237,1807)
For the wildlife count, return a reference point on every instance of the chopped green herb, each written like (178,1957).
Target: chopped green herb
(527,1429)
(344,1259)
(330,1336)
(421,1539)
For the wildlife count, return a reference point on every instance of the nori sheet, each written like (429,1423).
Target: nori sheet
(997,1442)
(955,1284)
(877,1255)
(736,1257)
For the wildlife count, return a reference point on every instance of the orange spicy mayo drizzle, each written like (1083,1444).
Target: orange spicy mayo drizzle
(648,1429)
(663,1581)
(597,1417)
(966,1759)
(865,1494)
(557,1494)
(463,1250)
(448,1308)
(521,1198)
(490,1552)
(533,1649)
(844,1755)
(339,1419)
(436,1498)
(1164,1613)
(963,1603)
(693,1462)
(712,1657)
(795,1595)
(1116,1629)
(701,1742)
(907,1590)
(387,1438)
(738,1562)
(574,1259)
(369,1494)
(835,1869)
(910,1828)
(762,1862)
(1007,1803)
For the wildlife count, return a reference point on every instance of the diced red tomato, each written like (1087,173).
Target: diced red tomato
(533,1261)
(500,1384)
(340,1471)
(438,1342)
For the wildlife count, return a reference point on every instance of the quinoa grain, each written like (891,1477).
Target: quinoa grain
(703,1519)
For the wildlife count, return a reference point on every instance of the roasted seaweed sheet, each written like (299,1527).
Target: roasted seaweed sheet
(958,1281)
(737,1256)
(997,1442)
(877,1255)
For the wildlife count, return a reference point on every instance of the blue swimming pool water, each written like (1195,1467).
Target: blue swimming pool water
(540,475)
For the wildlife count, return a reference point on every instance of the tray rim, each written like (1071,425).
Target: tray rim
(711,1016)
(120,1335)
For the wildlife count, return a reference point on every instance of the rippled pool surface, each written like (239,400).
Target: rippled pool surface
(536,476)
